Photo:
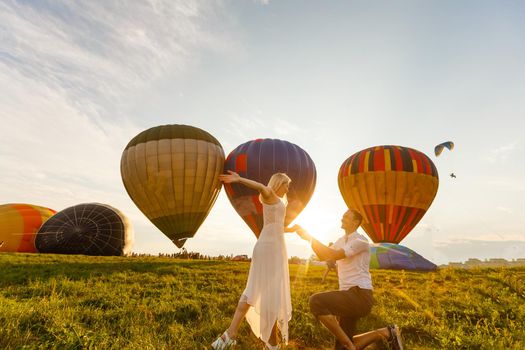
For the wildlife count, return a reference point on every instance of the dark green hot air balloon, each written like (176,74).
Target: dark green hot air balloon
(171,173)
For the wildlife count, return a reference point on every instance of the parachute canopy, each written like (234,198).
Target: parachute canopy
(391,186)
(439,148)
(171,172)
(19,224)
(89,229)
(258,160)
(397,257)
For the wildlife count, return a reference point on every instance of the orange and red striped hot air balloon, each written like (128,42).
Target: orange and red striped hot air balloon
(391,186)
(19,224)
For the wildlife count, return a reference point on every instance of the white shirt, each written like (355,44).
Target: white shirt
(354,269)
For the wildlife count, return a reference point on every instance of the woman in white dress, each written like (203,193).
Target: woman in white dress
(266,301)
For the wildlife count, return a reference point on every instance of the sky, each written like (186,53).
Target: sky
(78,80)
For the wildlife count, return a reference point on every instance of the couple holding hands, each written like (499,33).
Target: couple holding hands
(266,302)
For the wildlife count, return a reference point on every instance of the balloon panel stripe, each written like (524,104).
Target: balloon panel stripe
(173,131)
(32,220)
(241,163)
(379,160)
(408,225)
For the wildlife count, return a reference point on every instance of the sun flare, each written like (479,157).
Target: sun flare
(321,221)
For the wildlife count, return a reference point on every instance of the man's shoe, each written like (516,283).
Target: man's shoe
(223,342)
(395,337)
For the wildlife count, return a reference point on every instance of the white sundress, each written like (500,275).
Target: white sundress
(268,288)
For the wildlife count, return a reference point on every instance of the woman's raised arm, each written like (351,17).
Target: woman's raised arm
(232,177)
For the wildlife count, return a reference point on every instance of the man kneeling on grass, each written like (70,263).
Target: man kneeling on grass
(354,298)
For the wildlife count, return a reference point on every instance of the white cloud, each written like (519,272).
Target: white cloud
(99,50)
(486,238)
(47,143)
(246,128)
(284,128)
(485,247)
(505,209)
(503,153)
(65,70)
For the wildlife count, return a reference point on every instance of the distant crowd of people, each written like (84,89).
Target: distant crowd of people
(184,254)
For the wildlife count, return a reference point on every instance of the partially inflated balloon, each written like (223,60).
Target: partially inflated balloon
(391,186)
(258,160)
(19,224)
(171,172)
(397,257)
(89,229)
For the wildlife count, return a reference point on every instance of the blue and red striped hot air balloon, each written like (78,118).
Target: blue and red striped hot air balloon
(391,186)
(258,160)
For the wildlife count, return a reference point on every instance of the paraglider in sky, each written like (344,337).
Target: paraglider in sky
(19,224)
(171,173)
(397,257)
(89,229)
(258,160)
(391,186)
(439,148)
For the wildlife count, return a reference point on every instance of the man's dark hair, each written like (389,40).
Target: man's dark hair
(357,215)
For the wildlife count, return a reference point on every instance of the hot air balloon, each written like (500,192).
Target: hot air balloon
(89,229)
(171,173)
(439,148)
(19,224)
(397,257)
(391,186)
(258,160)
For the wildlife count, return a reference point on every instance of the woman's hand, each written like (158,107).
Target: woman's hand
(294,228)
(301,232)
(230,178)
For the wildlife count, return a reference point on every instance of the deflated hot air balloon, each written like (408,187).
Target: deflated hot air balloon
(19,224)
(439,148)
(258,160)
(397,257)
(89,229)
(171,173)
(391,186)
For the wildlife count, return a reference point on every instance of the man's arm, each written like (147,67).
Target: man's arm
(322,251)
(326,253)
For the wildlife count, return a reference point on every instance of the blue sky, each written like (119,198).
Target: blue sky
(79,80)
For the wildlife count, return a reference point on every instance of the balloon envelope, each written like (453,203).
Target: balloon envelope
(397,257)
(19,224)
(89,229)
(391,186)
(439,148)
(171,172)
(258,160)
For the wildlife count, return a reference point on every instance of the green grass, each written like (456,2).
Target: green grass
(80,302)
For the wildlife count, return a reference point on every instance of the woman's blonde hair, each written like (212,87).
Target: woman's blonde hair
(276,181)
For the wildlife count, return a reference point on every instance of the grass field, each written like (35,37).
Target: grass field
(78,302)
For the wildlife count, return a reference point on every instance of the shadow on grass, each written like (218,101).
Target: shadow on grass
(18,269)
